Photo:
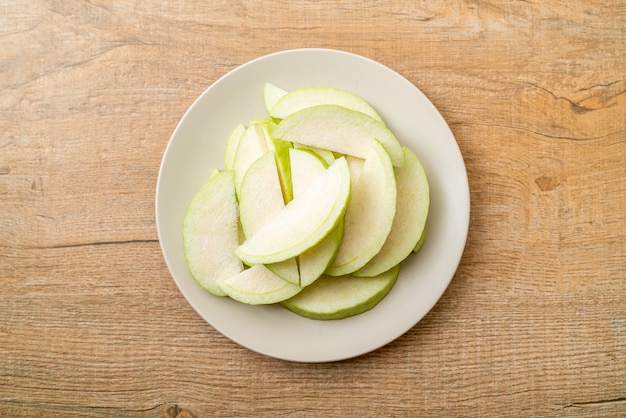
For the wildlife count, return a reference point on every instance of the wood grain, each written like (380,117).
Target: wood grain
(534,322)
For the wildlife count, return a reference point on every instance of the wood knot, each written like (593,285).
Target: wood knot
(546,183)
(176,412)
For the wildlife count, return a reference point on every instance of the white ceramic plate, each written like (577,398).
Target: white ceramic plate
(197,145)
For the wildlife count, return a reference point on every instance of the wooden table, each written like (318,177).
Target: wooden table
(534,321)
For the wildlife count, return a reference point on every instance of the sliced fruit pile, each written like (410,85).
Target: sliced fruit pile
(316,207)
